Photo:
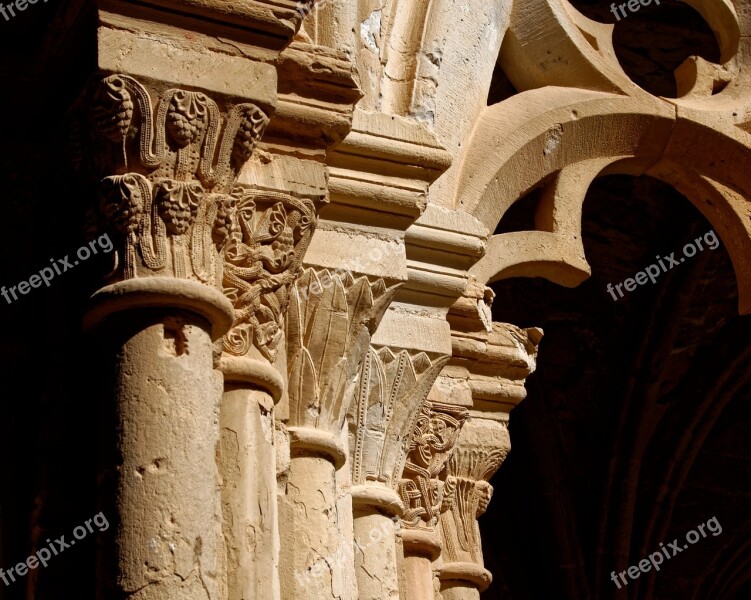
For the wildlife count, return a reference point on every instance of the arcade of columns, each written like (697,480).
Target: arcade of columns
(311,395)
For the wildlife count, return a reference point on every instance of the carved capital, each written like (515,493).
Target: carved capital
(330,320)
(262,260)
(392,387)
(481,449)
(434,435)
(166,166)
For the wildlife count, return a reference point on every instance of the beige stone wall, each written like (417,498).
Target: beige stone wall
(312,394)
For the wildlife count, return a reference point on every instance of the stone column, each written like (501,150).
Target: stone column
(436,431)
(166,199)
(482,447)
(189,182)
(355,263)
(375,530)
(263,259)
(167,396)
(486,373)
(392,387)
(396,374)
(284,189)
(327,334)
(247,461)
(439,247)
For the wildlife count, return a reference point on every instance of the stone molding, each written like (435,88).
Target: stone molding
(277,19)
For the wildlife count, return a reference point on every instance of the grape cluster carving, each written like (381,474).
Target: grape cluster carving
(252,123)
(122,203)
(225,223)
(178,204)
(187,117)
(113,111)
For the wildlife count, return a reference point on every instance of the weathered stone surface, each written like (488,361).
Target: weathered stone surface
(306,394)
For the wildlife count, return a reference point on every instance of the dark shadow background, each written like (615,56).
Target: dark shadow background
(637,425)
(48,411)
(617,386)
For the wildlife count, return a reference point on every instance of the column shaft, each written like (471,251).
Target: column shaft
(248,469)
(459,591)
(310,537)
(167,399)
(419,573)
(375,555)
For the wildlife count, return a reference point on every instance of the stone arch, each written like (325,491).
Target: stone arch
(699,143)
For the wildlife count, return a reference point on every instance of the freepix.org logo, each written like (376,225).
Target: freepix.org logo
(45,554)
(18,5)
(58,267)
(632,5)
(666,553)
(653,271)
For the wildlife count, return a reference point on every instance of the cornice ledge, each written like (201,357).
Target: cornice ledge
(441,246)
(506,344)
(399,146)
(489,366)
(276,18)
(318,90)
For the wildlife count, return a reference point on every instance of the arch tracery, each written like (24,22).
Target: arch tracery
(578,116)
